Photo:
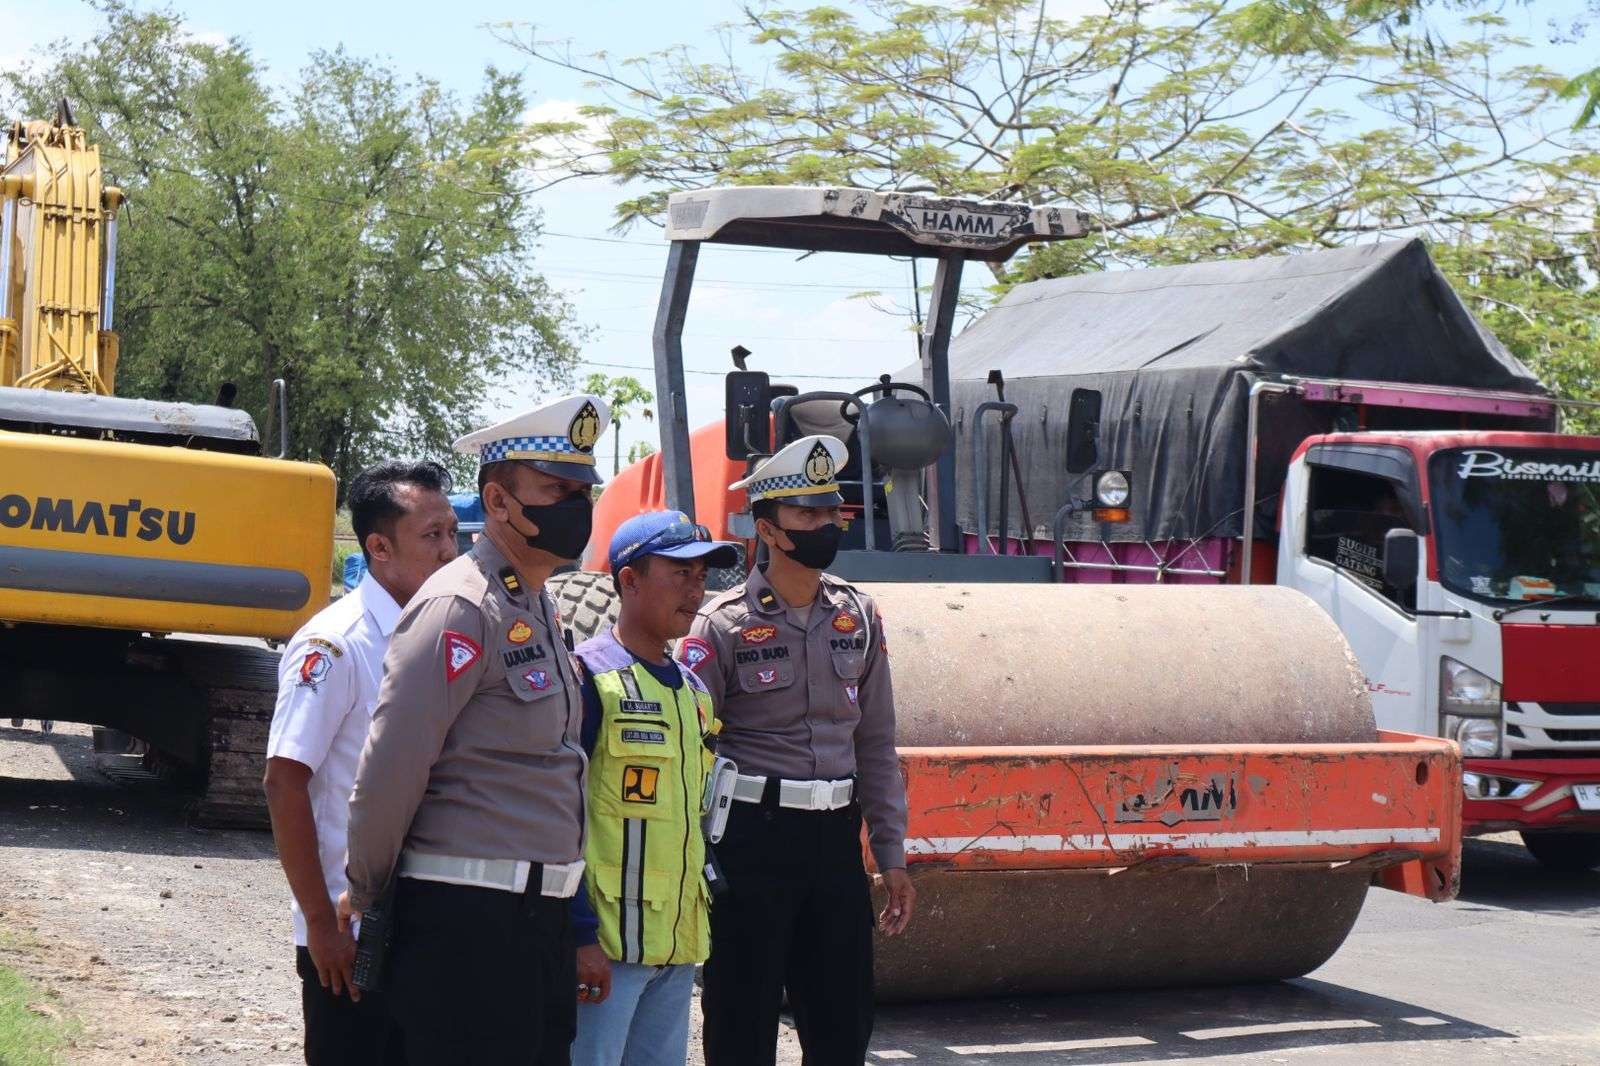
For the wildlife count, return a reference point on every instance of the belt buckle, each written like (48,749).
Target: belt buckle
(822,795)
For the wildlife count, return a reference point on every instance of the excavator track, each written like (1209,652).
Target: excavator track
(239,682)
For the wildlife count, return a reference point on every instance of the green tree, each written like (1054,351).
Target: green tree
(640,450)
(360,236)
(1189,131)
(621,393)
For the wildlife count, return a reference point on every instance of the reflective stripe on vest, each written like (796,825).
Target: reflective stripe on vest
(644,850)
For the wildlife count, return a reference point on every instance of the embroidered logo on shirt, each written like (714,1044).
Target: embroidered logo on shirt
(644,736)
(318,642)
(693,651)
(313,668)
(639,784)
(850,692)
(460,652)
(539,679)
(766,677)
(758,634)
(519,633)
(844,623)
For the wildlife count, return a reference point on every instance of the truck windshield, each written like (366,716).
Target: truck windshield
(1518,524)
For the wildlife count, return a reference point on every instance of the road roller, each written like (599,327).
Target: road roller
(1109,786)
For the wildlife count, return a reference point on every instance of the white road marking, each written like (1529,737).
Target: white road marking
(1229,1032)
(1425,1019)
(893,1055)
(1050,1045)
(1276,838)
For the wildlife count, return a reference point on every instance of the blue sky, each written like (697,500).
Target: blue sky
(798,317)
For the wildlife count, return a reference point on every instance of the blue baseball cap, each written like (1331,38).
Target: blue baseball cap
(668,533)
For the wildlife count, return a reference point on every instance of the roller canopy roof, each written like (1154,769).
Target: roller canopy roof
(1173,352)
(862,220)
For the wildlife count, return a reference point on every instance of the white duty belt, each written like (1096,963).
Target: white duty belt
(558,880)
(797,795)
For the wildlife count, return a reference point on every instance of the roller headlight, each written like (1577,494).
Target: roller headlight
(1111,489)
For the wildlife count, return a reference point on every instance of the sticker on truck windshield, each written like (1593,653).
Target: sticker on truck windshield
(1480,462)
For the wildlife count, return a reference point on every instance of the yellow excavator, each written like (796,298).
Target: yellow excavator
(138,539)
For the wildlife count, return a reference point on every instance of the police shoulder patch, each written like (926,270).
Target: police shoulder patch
(313,668)
(692,652)
(460,652)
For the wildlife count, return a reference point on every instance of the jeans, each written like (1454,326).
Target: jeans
(643,1022)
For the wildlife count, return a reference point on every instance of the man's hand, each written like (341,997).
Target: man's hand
(594,974)
(902,901)
(333,953)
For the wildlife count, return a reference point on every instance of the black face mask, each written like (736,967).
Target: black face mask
(814,549)
(564,526)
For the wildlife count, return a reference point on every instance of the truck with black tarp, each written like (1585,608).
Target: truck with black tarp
(1340,423)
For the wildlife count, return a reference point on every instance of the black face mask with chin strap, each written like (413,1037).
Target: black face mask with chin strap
(813,549)
(564,526)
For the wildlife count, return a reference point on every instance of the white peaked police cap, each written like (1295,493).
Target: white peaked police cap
(804,473)
(558,438)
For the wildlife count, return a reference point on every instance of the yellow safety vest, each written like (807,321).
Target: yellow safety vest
(645,854)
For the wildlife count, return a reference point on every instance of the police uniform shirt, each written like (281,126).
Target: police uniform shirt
(806,702)
(328,680)
(474,750)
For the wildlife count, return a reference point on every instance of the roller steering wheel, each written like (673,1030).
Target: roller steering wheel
(884,386)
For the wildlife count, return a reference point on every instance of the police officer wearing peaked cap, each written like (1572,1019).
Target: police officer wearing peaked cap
(798,669)
(470,789)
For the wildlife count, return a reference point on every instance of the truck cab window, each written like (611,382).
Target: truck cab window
(1350,513)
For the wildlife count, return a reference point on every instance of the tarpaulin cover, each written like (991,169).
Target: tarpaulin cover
(1174,351)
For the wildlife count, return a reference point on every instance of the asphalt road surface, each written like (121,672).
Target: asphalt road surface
(170,942)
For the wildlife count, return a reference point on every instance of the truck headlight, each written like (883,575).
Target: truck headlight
(1466,692)
(1111,489)
(1478,737)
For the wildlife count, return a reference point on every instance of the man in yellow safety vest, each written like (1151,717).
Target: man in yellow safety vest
(644,920)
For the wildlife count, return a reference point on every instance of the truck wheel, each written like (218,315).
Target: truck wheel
(1564,852)
(586,601)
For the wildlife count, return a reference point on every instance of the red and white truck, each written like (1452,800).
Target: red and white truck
(1403,469)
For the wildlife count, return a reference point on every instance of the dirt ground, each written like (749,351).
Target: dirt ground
(171,943)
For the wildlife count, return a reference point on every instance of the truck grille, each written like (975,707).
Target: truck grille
(1573,735)
(1574,709)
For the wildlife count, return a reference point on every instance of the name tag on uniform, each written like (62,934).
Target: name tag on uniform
(644,736)
(640,707)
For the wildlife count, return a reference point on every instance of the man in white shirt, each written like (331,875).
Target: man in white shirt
(328,682)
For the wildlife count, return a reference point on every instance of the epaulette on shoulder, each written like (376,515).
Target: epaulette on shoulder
(722,599)
(838,583)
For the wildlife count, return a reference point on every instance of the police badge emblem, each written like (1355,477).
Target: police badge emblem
(819,465)
(585,427)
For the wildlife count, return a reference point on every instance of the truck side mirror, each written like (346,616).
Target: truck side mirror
(1401,554)
(747,399)
(1083,430)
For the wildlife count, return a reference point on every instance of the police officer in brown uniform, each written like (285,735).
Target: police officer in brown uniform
(470,788)
(798,667)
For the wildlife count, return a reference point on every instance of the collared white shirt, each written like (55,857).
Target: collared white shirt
(328,683)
